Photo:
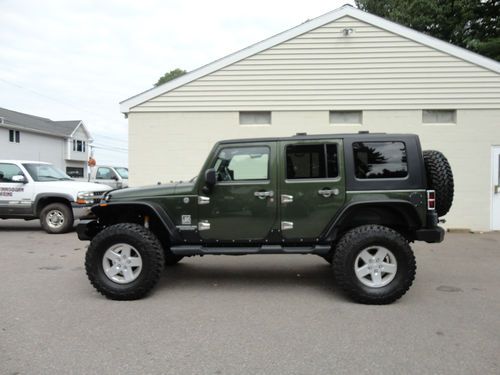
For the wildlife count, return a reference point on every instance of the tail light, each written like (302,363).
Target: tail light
(431,200)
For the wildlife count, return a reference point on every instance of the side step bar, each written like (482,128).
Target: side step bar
(187,250)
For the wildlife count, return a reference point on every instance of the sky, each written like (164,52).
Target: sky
(77,59)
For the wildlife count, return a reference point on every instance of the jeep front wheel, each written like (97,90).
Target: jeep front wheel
(374,264)
(56,218)
(124,261)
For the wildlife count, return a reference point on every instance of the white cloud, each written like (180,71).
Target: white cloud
(77,59)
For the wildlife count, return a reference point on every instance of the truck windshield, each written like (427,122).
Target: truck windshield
(45,172)
(123,172)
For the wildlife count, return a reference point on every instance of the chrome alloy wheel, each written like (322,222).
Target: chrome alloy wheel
(375,266)
(122,263)
(55,219)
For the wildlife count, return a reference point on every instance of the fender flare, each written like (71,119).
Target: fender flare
(402,207)
(39,197)
(151,208)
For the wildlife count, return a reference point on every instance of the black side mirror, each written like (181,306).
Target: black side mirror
(114,178)
(210,177)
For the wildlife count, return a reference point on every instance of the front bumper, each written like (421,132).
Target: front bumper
(81,211)
(87,229)
(430,235)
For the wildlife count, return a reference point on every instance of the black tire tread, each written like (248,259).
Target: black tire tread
(440,179)
(68,217)
(152,245)
(357,236)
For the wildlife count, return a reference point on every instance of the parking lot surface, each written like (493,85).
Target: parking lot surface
(266,314)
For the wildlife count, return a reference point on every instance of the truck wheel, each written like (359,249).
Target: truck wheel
(440,179)
(124,261)
(374,264)
(56,218)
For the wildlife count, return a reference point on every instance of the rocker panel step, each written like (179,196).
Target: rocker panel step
(187,250)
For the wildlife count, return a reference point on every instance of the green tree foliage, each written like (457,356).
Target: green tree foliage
(472,24)
(173,74)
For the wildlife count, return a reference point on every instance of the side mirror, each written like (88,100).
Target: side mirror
(114,178)
(210,177)
(19,178)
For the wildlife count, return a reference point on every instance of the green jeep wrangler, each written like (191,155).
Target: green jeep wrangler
(357,200)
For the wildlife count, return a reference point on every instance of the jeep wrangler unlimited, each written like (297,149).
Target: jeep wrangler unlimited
(357,200)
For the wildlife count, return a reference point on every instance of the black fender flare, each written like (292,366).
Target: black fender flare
(148,207)
(402,207)
(39,197)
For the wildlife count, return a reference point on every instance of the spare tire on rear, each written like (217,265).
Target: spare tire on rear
(440,179)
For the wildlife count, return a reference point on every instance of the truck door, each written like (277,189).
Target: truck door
(16,198)
(311,187)
(242,204)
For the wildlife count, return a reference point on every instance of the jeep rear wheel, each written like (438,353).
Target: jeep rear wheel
(56,218)
(374,264)
(440,179)
(124,261)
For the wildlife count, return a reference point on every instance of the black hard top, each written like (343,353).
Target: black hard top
(306,137)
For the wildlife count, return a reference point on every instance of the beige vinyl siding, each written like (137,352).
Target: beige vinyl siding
(370,69)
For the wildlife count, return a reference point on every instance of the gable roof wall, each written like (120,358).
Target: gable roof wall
(23,121)
(316,53)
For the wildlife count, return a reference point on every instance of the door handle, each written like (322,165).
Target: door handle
(327,193)
(497,189)
(264,194)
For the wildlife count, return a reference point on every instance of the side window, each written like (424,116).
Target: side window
(7,171)
(311,161)
(104,173)
(380,160)
(245,163)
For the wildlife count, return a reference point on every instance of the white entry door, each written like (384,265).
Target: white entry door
(495,173)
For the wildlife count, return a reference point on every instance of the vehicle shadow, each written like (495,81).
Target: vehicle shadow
(15,225)
(251,276)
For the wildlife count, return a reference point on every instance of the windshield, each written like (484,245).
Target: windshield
(123,172)
(45,172)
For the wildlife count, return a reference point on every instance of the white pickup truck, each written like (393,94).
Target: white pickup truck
(36,190)
(116,177)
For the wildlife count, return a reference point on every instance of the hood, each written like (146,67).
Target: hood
(73,185)
(178,188)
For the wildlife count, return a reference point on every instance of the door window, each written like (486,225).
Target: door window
(311,161)
(7,171)
(242,164)
(104,173)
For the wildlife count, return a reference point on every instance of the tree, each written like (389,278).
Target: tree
(472,24)
(173,74)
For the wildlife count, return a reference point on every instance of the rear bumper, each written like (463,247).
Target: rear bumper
(87,229)
(430,235)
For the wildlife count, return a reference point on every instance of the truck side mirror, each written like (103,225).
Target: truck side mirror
(210,180)
(210,177)
(19,178)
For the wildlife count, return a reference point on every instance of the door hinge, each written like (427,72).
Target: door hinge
(286,198)
(286,225)
(203,200)
(203,225)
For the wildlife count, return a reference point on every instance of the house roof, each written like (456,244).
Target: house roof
(346,10)
(42,125)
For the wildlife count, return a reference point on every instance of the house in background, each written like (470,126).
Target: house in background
(342,72)
(65,144)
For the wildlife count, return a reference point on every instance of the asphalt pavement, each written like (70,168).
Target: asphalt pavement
(255,314)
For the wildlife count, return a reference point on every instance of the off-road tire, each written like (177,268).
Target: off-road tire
(172,259)
(149,248)
(64,210)
(440,179)
(357,239)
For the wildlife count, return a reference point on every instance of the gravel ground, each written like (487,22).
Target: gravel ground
(265,314)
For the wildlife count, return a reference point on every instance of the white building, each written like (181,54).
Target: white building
(65,144)
(344,71)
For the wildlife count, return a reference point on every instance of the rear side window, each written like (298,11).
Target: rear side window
(374,160)
(311,161)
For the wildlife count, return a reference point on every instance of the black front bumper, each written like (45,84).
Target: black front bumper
(87,229)
(430,235)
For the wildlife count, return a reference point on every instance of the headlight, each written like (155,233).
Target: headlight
(89,197)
